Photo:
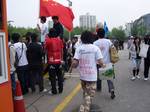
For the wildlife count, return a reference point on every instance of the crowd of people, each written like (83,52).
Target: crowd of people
(135,46)
(89,53)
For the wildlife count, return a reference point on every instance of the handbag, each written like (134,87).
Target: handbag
(144,50)
(106,73)
(114,57)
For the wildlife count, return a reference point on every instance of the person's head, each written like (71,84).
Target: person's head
(147,36)
(95,37)
(147,39)
(86,37)
(16,37)
(131,38)
(23,39)
(34,37)
(28,37)
(52,33)
(55,19)
(43,19)
(74,39)
(101,33)
(137,41)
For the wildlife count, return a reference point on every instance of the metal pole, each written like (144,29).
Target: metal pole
(69,4)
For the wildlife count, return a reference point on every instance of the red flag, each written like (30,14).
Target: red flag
(52,8)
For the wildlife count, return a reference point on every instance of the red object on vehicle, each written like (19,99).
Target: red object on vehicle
(54,47)
(18,99)
(52,8)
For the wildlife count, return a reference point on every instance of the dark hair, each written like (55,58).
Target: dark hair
(86,37)
(74,37)
(43,18)
(34,37)
(55,17)
(28,36)
(8,37)
(147,39)
(52,33)
(136,39)
(101,33)
(16,37)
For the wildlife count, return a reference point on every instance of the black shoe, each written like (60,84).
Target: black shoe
(112,95)
(99,90)
(60,91)
(54,92)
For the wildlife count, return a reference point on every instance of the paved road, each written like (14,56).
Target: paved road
(131,96)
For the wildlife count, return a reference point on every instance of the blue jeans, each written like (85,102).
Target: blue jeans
(13,82)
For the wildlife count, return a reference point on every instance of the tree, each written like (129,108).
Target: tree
(134,31)
(21,30)
(76,31)
(138,30)
(118,33)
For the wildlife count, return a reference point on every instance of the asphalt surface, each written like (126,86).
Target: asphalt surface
(131,96)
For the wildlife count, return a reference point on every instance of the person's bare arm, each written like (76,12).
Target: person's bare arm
(38,27)
(101,63)
(74,64)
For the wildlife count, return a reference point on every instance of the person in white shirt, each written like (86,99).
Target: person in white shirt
(104,45)
(12,54)
(86,57)
(22,67)
(43,29)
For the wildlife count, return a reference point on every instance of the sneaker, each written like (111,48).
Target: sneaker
(138,76)
(60,91)
(133,78)
(81,108)
(52,93)
(145,79)
(112,95)
(44,90)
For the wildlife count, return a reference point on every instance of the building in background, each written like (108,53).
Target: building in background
(87,21)
(139,27)
(143,22)
(128,28)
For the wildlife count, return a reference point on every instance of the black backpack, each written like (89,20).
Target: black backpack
(17,58)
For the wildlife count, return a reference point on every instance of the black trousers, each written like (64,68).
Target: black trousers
(36,78)
(55,72)
(22,74)
(146,67)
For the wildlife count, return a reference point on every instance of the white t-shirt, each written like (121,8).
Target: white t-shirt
(23,60)
(44,32)
(104,45)
(77,44)
(88,54)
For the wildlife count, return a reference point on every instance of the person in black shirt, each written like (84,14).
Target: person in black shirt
(34,55)
(147,59)
(58,27)
(74,41)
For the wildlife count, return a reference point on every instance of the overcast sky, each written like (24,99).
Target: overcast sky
(114,12)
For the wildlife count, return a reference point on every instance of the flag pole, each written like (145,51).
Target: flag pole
(38,15)
(69,4)
(39,1)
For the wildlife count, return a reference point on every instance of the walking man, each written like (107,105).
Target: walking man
(86,57)
(104,45)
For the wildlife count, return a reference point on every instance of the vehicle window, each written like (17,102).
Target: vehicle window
(3,61)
